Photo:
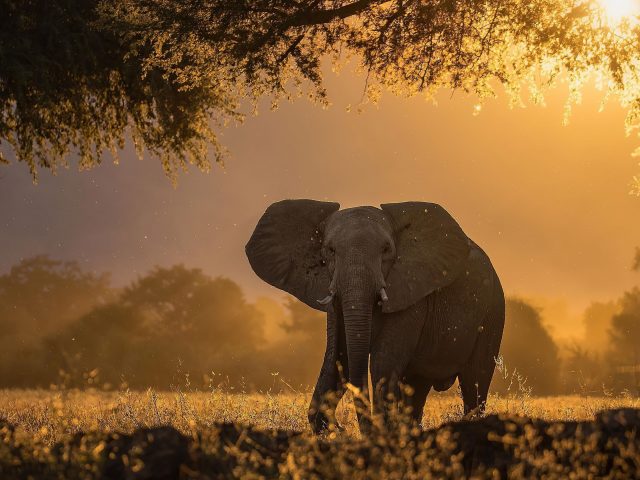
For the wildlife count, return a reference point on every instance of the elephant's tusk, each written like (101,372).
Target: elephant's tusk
(326,300)
(383,295)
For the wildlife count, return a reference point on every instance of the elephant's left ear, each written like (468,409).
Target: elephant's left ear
(431,249)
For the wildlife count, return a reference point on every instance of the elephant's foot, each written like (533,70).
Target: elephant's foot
(472,413)
(319,422)
(320,426)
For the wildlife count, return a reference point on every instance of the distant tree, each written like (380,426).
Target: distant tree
(39,296)
(585,371)
(105,340)
(528,348)
(624,335)
(179,300)
(298,356)
(75,75)
(170,322)
(60,324)
(304,320)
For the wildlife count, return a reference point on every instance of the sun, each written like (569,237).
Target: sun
(619,10)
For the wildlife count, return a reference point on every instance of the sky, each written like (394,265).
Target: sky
(549,203)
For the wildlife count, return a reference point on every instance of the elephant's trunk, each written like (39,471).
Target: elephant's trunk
(357,324)
(358,298)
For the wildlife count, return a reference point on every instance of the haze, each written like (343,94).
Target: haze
(550,204)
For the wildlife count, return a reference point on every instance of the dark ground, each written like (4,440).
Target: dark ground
(495,446)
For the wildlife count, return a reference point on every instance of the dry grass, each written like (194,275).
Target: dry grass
(55,414)
(41,438)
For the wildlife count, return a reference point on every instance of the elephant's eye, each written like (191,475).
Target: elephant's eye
(387,248)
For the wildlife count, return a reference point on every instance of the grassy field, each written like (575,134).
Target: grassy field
(41,436)
(56,414)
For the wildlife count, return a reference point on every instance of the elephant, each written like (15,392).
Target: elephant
(412,303)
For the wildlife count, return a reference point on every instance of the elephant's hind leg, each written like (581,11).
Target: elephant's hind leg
(476,375)
(420,388)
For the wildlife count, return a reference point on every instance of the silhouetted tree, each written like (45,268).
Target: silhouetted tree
(75,74)
(39,296)
(170,322)
(624,353)
(528,348)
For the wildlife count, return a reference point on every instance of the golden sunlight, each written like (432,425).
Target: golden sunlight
(619,10)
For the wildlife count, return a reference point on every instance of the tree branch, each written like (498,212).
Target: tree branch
(318,17)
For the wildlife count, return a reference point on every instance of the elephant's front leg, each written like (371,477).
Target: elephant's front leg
(394,343)
(330,386)
(386,390)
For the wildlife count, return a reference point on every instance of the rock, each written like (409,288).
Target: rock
(149,453)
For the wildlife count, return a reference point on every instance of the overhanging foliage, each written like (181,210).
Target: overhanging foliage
(80,75)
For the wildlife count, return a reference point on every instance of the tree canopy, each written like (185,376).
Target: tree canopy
(79,76)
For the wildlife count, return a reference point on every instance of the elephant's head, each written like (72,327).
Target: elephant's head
(358,259)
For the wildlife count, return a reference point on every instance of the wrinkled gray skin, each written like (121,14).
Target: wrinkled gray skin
(402,285)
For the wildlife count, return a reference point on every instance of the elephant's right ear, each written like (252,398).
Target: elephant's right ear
(285,249)
(432,250)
